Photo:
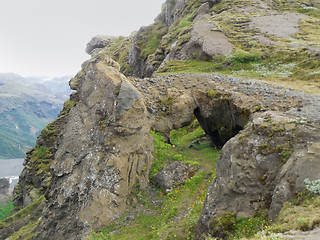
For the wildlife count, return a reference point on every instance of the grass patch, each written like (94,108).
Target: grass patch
(5,211)
(300,213)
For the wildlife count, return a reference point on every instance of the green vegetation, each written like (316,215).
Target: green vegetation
(27,211)
(26,232)
(5,211)
(228,227)
(171,216)
(299,213)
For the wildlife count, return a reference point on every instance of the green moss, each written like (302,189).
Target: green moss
(248,227)
(27,231)
(265,149)
(299,213)
(242,57)
(213,93)
(67,107)
(151,45)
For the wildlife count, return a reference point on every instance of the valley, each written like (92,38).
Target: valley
(26,107)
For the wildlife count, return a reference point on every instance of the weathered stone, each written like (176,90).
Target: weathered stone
(174,175)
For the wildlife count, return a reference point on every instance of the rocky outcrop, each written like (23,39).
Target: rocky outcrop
(97,159)
(215,30)
(262,167)
(97,43)
(270,143)
(85,164)
(205,42)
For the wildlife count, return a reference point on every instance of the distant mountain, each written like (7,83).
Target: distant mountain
(26,106)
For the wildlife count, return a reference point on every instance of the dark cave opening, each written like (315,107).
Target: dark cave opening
(221,121)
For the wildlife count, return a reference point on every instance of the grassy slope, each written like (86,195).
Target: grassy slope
(289,63)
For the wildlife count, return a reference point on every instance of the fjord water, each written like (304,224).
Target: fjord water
(11,168)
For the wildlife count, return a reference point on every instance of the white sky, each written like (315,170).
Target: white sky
(48,38)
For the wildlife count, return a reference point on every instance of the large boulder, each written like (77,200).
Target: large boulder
(262,167)
(174,175)
(97,43)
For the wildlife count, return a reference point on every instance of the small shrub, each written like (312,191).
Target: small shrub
(221,227)
(244,57)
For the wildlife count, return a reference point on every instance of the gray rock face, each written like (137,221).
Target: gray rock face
(262,167)
(174,175)
(99,147)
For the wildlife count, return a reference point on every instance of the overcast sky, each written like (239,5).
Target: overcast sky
(48,38)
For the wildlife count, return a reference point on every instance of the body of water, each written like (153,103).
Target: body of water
(11,168)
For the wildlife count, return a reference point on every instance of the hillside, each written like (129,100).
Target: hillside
(271,40)
(194,127)
(25,108)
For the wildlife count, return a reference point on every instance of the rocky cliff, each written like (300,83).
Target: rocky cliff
(87,162)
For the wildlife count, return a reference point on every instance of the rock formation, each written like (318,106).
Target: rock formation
(87,161)
(262,167)
(85,164)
